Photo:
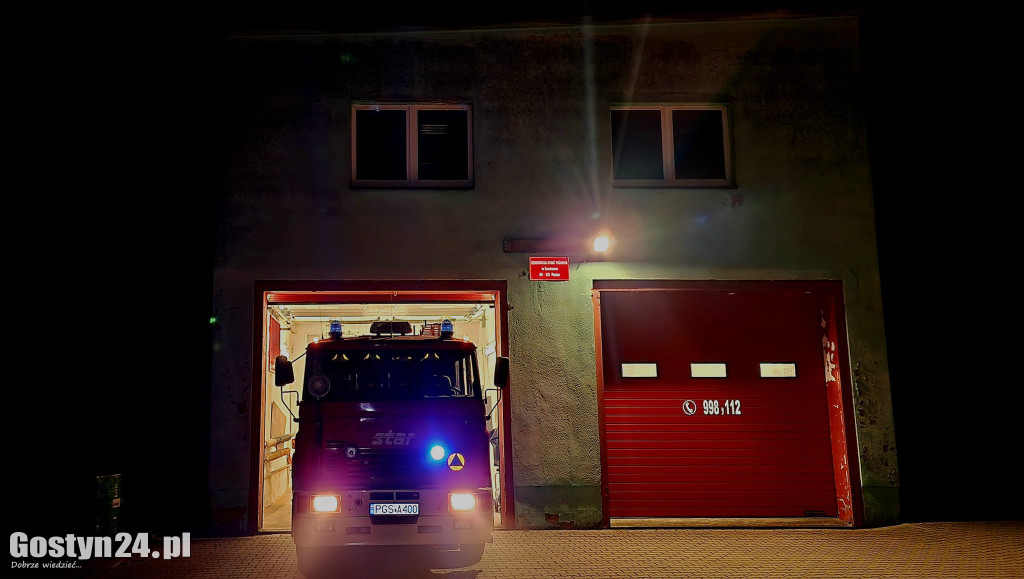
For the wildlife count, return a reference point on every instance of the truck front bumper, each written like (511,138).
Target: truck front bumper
(353,525)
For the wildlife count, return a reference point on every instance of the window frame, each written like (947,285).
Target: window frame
(668,146)
(412,146)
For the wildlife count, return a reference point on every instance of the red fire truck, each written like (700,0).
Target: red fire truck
(392,447)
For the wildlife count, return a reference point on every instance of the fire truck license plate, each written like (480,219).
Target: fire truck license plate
(394,509)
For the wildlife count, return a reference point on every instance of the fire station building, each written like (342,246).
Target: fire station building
(667,226)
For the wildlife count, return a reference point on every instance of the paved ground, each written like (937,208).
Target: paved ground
(941,550)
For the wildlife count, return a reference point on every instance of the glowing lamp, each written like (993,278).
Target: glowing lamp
(326,503)
(462,501)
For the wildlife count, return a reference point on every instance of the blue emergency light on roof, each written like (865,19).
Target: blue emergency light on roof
(447,329)
(335,328)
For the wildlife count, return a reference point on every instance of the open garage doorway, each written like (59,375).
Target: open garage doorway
(292,315)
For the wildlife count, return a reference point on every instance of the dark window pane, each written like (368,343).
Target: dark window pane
(636,145)
(443,144)
(698,144)
(380,144)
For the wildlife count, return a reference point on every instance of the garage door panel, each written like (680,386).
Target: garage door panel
(712,386)
(645,426)
(767,449)
(733,498)
(799,414)
(756,465)
(626,491)
(794,504)
(764,426)
(751,461)
(628,438)
(773,402)
(657,327)
(739,449)
(676,397)
(765,402)
(677,480)
(690,511)
(732,447)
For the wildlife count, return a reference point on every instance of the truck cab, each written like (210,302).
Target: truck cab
(392,448)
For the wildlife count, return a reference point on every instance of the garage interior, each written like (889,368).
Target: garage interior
(294,319)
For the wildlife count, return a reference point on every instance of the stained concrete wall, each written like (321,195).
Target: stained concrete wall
(801,208)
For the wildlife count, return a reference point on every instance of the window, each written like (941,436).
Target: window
(677,145)
(778,370)
(707,370)
(412,145)
(639,370)
(400,374)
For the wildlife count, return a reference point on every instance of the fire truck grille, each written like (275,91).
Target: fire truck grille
(380,469)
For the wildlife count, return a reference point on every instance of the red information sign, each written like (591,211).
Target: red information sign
(549,269)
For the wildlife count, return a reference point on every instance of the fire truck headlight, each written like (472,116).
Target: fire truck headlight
(437,452)
(462,501)
(325,503)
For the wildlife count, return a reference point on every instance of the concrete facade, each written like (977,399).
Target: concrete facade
(801,209)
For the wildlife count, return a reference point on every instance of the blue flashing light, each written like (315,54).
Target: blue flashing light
(336,328)
(437,452)
(447,329)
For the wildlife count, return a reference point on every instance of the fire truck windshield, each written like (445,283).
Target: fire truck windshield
(396,375)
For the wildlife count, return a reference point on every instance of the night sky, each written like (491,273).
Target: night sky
(119,137)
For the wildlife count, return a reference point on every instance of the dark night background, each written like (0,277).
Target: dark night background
(112,239)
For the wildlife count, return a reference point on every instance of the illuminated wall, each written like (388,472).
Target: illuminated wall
(801,208)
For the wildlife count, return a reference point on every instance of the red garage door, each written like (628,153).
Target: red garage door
(716,402)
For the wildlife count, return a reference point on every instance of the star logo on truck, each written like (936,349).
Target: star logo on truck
(392,438)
